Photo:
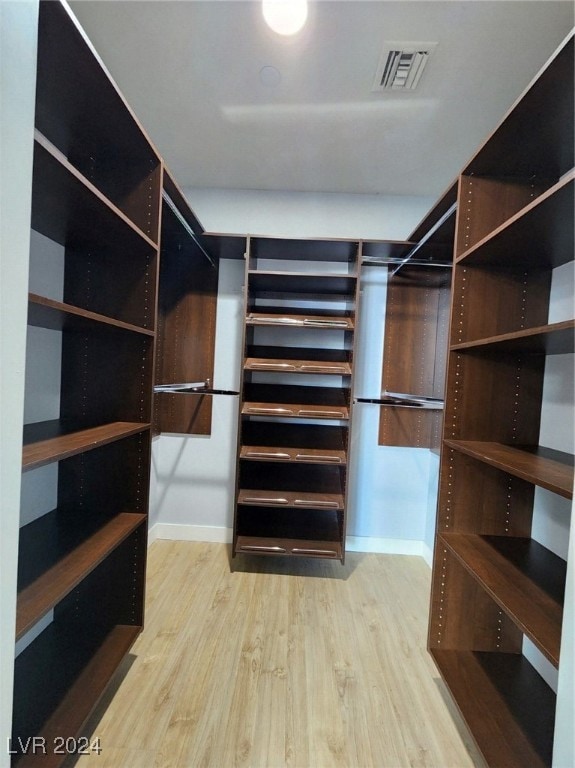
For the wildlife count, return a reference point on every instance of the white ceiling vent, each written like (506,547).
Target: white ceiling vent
(401,66)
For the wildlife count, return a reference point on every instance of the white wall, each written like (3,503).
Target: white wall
(303,214)
(18,30)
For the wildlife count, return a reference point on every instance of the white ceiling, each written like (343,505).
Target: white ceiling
(192,71)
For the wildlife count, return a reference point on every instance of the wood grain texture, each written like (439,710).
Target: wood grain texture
(304,663)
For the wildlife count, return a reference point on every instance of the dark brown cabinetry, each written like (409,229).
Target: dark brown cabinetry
(494,584)
(295,407)
(96,198)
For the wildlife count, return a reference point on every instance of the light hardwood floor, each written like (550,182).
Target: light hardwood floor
(303,664)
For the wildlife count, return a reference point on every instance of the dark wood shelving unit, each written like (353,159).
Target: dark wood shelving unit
(494,583)
(81,565)
(291,479)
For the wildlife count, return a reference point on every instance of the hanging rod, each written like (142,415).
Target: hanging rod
(174,209)
(403,400)
(450,211)
(373,261)
(192,388)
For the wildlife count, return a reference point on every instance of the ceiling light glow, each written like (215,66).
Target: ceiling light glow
(286,17)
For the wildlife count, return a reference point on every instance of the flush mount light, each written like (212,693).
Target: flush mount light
(286,17)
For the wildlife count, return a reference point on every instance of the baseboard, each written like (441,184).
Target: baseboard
(178,532)
(221,535)
(385,546)
(427,554)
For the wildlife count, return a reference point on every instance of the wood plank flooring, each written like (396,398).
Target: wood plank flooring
(280,663)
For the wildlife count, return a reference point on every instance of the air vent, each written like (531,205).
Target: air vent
(401,66)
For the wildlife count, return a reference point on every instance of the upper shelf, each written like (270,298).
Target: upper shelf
(541,234)
(304,283)
(55,315)
(92,125)
(69,209)
(535,139)
(544,467)
(302,250)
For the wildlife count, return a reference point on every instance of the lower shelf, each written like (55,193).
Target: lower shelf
(64,692)
(260,545)
(280,531)
(53,558)
(296,499)
(508,707)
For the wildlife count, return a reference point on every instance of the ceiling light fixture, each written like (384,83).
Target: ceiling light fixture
(286,17)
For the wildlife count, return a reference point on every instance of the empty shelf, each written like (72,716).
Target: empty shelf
(58,316)
(281,498)
(49,441)
(261,545)
(548,469)
(72,557)
(507,705)
(524,578)
(554,339)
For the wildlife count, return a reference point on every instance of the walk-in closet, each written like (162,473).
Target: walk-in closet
(287,384)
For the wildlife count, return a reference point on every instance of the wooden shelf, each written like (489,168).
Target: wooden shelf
(54,559)
(554,339)
(298,455)
(58,316)
(310,532)
(544,467)
(291,401)
(507,705)
(539,235)
(290,317)
(305,283)
(260,545)
(302,249)
(58,187)
(291,410)
(49,441)
(281,498)
(301,360)
(301,443)
(68,673)
(526,580)
(535,139)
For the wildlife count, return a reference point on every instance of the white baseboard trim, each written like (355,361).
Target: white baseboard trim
(221,535)
(179,532)
(427,554)
(384,546)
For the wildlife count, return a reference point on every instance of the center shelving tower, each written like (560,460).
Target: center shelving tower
(296,397)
